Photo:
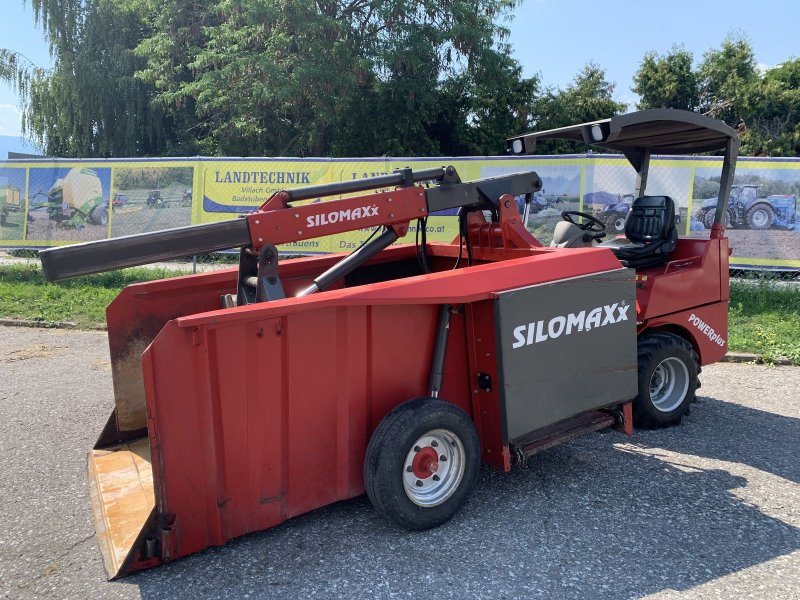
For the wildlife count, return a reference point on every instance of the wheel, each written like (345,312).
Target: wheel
(616,222)
(668,369)
(708,219)
(422,462)
(2,218)
(593,225)
(100,215)
(760,216)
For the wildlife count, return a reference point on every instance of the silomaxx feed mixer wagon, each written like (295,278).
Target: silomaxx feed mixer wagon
(247,396)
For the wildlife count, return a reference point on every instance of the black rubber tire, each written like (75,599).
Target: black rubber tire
(732,219)
(386,454)
(100,215)
(708,219)
(653,348)
(2,218)
(769,214)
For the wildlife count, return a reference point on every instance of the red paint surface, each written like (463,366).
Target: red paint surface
(262,412)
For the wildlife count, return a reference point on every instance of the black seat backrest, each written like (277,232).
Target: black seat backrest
(651,219)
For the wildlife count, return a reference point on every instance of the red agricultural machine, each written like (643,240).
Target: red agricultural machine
(248,396)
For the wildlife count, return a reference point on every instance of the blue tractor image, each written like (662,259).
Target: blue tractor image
(615,213)
(613,209)
(747,211)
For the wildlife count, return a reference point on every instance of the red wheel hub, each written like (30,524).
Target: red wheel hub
(425,463)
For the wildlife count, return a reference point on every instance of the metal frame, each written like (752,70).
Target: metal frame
(277,221)
(640,134)
(231,402)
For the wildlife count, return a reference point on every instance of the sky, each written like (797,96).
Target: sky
(552,38)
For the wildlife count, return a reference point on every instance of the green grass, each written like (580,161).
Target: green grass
(24,294)
(764,316)
(765,319)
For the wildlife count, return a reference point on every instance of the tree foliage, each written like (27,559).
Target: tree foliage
(90,103)
(667,81)
(269,77)
(346,78)
(588,98)
(726,76)
(764,107)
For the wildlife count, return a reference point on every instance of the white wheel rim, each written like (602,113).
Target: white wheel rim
(759,218)
(619,224)
(669,384)
(433,468)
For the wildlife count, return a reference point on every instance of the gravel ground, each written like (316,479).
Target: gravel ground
(707,509)
(42,228)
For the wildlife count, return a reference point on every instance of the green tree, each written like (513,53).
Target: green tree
(726,76)
(90,103)
(262,77)
(772,113)
(667,81)
(590,97)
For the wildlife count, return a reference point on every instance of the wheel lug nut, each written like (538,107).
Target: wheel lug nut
(417,448)
(435,478)
(409,469)
(434,444)
(419,483)
(443,458)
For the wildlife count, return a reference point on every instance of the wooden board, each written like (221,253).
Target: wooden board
(121,489)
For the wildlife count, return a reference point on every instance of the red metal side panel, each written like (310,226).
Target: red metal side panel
(182,438)
(486,402)
(249,423)
(707,326)
(724,257)
(137,315)
(255,422)
(692,297)
(262,412)
(317,393)
(670,289)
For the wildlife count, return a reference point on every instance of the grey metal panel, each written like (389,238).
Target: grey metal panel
(661,130)
(564,348)
(142,248)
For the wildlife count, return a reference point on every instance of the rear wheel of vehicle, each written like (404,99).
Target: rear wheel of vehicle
(708,219)
(100,215)
(760,216)
(422,462)
(618,224)
(668,369)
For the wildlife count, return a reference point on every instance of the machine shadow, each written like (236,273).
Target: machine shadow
(734,433)
(589,519)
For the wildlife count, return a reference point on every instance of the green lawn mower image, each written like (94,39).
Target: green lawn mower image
(77,199)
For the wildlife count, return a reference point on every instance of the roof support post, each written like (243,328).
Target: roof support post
(725,183)
(642,171)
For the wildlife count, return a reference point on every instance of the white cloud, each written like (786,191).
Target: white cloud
(10,120)
(762,68)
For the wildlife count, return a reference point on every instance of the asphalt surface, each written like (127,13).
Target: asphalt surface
(710,508)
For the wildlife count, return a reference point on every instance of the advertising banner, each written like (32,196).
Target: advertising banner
(53,202)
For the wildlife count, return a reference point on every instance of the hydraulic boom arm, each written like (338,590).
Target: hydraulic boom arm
(277,221)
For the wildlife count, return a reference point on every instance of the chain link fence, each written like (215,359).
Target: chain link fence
(42,205)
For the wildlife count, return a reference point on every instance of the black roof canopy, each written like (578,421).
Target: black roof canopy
(656,131)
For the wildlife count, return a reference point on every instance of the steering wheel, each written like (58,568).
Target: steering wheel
(593,227)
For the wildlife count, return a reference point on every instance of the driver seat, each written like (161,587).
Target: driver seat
(569,235)
(650,233)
